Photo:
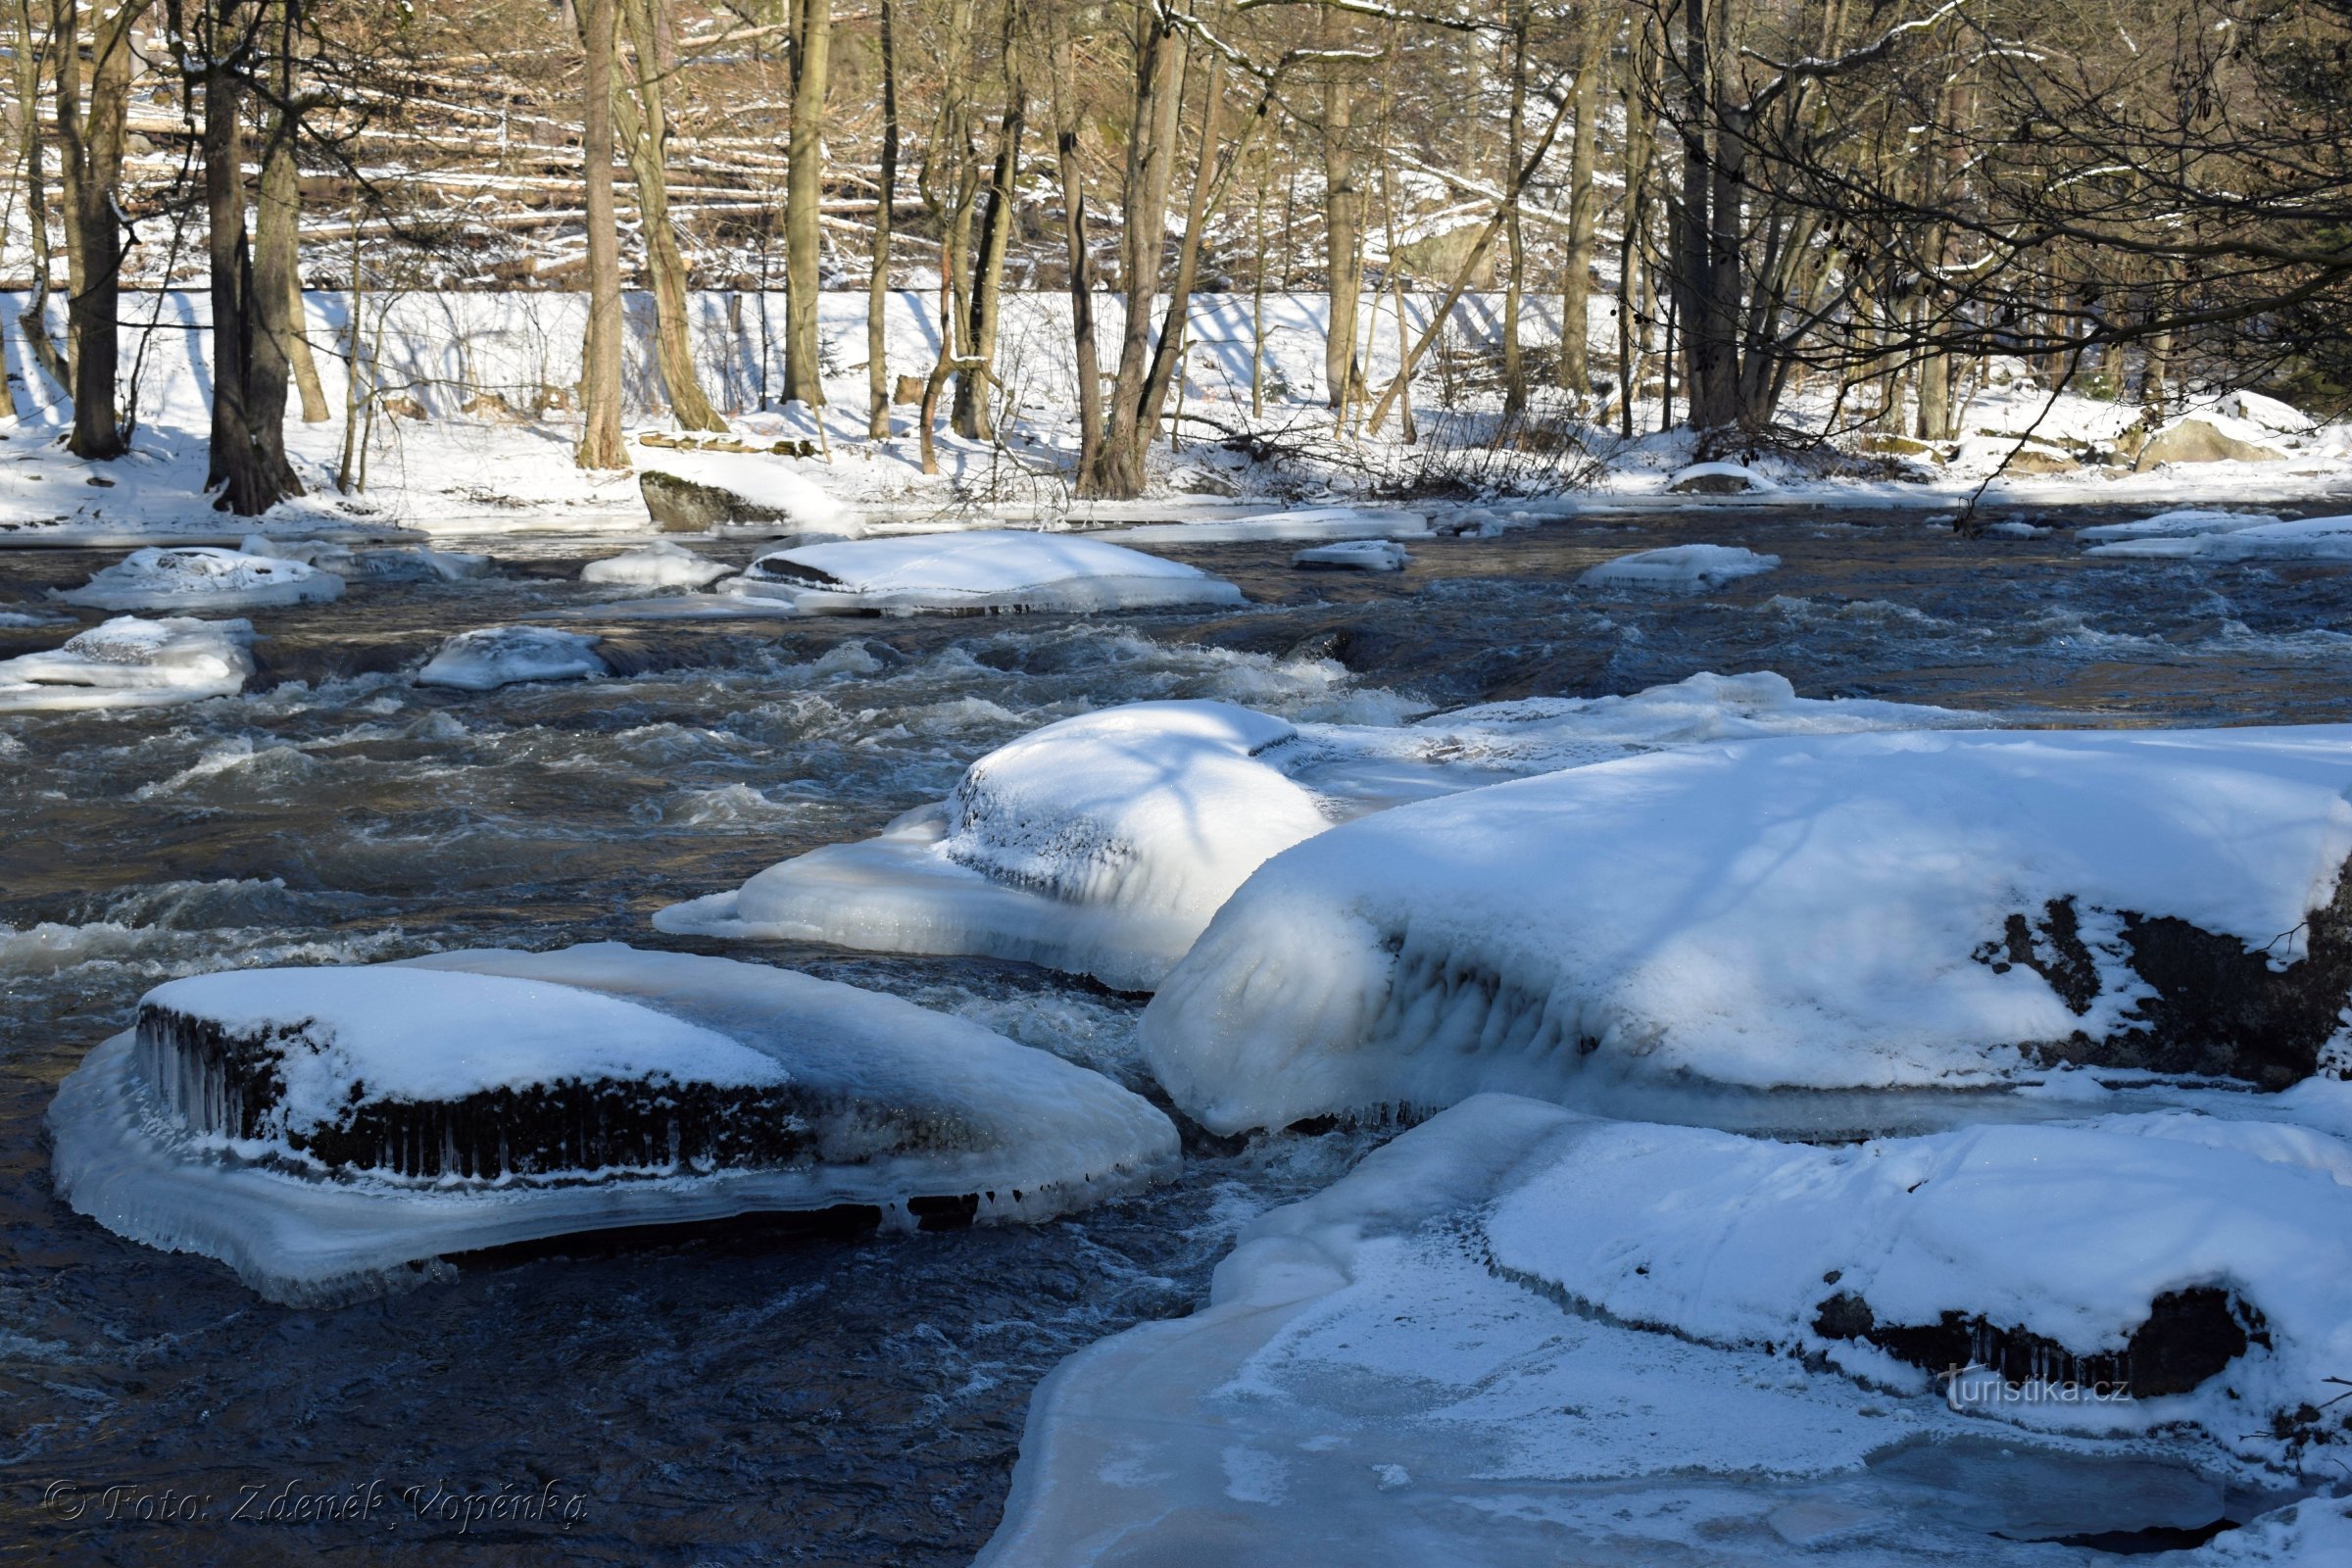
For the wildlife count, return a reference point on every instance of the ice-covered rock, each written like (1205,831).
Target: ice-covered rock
(1900,909)
(742,493)
(202,578)
(1354,555)
(660,565)
(2178,523)
(2257,539)
(129,663)
(490,657)
(319,1130)
(1364,1385)
(1679,566)
(983,572)
(1718,479)
(1103,844)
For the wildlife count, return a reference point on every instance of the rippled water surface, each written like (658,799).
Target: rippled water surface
(744,1395)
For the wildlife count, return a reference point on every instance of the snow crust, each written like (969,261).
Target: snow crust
(1103,844)
(1366,1386)
(902,1103)
(1776,912)
(202,578)
(660,565)
(1356,555)
(130,662)
(1679,566)
(979,571)
(491,656)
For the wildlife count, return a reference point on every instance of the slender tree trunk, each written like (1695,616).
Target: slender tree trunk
(91,140)
(1119,472)
(971,415)
(1343,207)
(600,444)
(804,373)
(1084,356)
(877,286)
(643,114)
(1514,372)
(272,286)
(1167,356)
(35,317)
(233,469)
(1584,203)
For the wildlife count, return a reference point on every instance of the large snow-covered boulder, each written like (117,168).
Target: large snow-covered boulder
(129,663)
(983,572)
(1415,1365)
(1866,911)
(1718,479)
(660,565)
(1679,566)
(319,1130)
(2209,438)
(490,657)
(752,494)
(1102,845)
(202,578)
(2269,413)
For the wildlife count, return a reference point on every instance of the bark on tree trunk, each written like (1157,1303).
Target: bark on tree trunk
(35,318)
(1584,204)
(643,123)
(1341,214)
(600,359)
(804,380)
(268,292)
(1082,267)
(971,415)
(1514,370)
(1167,357)
(877,287)
(1118,469)
(91,141)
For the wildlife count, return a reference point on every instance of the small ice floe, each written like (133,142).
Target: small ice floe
(1929,909)
(1354,555)
(202,578)
(1304,524)
(1718,479)
(399,563)
(979,572)
(2180,523)
(1671,1361)
(1103,844)
(660,565)
(1679,566)
(320,1131)
(2250,538)
(129,663)
(490,657)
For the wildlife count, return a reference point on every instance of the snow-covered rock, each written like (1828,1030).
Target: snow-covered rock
(660,565)
(1354,555)
(1717,480)
(1679,566)
(2258,539)
(1864,910)
(319,1130)
(202,578)
(2210,438)
(490,657)
(129,663)
(1103,844)
(2269,413)
(742,493)
(980,572)
(1365,1384)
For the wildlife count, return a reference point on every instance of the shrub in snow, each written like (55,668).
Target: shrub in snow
(490,657)
(317,1129)
(1679,566)
(202,577)
(660,565)
(129,663)
(1356,555)
(983,572)
(1864,910)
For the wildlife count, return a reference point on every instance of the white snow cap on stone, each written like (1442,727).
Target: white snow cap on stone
(660,565)
(977,572)
(202,578)
(490,657)
(1679,566)
(130,662)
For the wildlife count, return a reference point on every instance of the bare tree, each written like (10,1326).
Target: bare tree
(804,374)
(877,288)
(90,139)
(642,115)
(600,444)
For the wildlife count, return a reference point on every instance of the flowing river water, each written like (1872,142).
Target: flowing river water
(739,1395)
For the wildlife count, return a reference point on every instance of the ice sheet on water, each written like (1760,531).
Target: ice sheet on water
(1363,1383)
(1679,566)
(1354,555)
(1836,911)
(1103,844)
(1309,522)
(977,573)
(660,565)
(202,578)
(835,1096)
(2261,539)
(130,662)
(2179,523)
(491,656)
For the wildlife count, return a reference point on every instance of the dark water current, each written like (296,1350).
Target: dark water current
(746,1397)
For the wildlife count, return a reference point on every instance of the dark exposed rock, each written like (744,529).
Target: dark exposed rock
(2218,1007)
(684,506)
(2189,1336)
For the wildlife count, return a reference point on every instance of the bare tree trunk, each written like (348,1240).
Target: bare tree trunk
(1584,203)
(601,445)
(271,287)
(233,467)
(1342,214)
(643,123)
(804,373)
(1167,357)
(1641,147)
(877,286)
(1086,357)
(1119,472)
(35,316)
(954,141)
(1514,372)
(971,415)
(91,141)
